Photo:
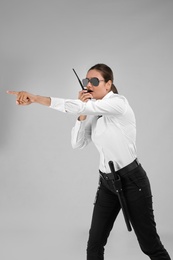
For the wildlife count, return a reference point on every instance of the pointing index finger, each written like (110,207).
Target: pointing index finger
(12,92)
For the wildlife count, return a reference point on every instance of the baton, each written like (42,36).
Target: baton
(116,181)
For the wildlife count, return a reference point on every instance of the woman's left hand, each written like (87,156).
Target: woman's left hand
(84,96)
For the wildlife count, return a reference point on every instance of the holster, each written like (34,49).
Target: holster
(113,183)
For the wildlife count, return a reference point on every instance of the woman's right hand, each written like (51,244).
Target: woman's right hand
(22,97)
(84,96)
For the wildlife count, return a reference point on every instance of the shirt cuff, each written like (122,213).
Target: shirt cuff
(80,125)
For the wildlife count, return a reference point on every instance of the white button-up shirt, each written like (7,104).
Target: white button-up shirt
(110,124)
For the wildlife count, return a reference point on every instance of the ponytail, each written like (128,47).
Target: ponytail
(114,89)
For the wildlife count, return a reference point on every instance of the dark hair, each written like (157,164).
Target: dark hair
(106,73)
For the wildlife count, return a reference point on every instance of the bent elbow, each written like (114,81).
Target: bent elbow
(77,145)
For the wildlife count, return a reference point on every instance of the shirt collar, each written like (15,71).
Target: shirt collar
(108,95)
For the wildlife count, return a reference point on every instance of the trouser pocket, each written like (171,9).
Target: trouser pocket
(136,185)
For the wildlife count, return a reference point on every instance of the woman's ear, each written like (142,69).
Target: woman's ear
(108,85)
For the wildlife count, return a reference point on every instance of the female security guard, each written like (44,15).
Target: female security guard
(106,118)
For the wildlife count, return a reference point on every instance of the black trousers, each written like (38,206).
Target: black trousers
(138,196)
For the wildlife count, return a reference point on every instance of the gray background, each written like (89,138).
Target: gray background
(47,189)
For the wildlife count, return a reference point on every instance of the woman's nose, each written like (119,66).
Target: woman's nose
(89,84)
(89,87)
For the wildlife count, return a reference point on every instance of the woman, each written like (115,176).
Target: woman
(106,118)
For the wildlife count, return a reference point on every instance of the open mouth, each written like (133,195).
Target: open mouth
(89,90)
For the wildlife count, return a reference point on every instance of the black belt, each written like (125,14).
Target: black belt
(122,171)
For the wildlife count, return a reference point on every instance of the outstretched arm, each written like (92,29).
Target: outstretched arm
(24,98)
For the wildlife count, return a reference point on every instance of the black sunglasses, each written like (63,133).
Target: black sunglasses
(94,81)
